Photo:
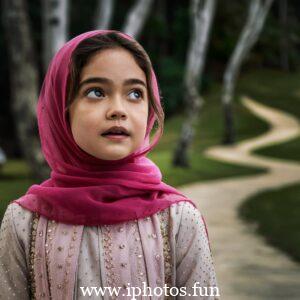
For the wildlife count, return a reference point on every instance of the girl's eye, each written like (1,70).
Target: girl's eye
(137,93)
(96,91)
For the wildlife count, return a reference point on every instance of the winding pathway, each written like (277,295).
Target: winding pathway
(246,266)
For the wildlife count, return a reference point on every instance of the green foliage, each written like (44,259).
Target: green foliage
(228,22)
(82,16)
(14,182)
(171,84)
(277,220)
(180,33)
(288,150)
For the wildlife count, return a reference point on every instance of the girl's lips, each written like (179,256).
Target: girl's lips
(116,137)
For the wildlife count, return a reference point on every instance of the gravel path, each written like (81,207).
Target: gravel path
(248,268)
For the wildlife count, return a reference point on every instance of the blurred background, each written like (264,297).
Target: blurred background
(228,73)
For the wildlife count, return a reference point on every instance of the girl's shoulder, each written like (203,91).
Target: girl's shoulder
(14,252)
(184,208)
(18,214)
(190,226)
(180,216)
(17,221)
(179,209)
(184,212)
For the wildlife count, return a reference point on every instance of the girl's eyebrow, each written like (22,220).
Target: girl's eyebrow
(109,81)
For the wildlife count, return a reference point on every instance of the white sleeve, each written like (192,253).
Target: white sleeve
(195,272)
(13,267)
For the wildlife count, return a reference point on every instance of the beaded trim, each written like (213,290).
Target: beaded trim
(139,252)
(107,243)
(164,227)
(71,251)
(32,286)
(51,229)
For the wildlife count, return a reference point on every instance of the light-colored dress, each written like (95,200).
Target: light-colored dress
(170,249)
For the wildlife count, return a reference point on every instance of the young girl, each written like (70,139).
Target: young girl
(104,225)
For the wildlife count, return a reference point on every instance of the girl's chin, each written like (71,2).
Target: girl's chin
(112,156)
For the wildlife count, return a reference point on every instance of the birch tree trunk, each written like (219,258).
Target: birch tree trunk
(55,28)
(104,14)
(23,83)
(137,17)
(202,13)
(3,158)
(258,10)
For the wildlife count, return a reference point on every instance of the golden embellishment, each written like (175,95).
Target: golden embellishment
(68,258)
(51,229)
(164,227)
(107,245)
(139,253)
(32,284)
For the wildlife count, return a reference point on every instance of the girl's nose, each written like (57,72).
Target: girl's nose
(116,109)
(116,114)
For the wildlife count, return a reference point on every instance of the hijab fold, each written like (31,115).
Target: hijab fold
(83,189)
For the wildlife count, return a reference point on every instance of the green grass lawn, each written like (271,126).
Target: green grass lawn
(14,181)
(276,214)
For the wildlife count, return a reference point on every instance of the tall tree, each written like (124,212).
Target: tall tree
(3,158)
(136,18)
(55,15)
(23,82)
(104,14)
(258,10)
(202,13)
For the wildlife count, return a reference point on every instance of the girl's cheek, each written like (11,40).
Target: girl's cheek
(142,111)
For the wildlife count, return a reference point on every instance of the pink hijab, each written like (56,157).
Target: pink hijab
(83,189)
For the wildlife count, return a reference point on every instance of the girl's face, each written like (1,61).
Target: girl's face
(113,92)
